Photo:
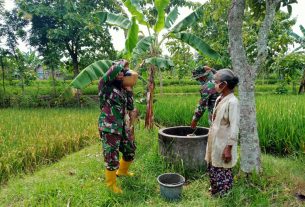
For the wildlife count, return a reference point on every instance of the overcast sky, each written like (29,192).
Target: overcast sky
(118,36)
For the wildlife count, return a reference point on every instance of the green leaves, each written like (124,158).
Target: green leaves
(160,5)
(113,19)
(197,43)
(188,21)
(134,12)
(171,17)
(160,62)
(132,37)
(91,73)
(143,46)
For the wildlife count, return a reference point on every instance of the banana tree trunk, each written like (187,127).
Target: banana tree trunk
(161,82)
(302,84)
(149,119)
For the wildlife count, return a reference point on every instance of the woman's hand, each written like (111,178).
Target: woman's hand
(227,155)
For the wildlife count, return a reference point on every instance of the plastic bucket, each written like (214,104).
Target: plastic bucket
(171,185)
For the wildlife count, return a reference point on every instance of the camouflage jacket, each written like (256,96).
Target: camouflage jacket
(114,103)
(207,100)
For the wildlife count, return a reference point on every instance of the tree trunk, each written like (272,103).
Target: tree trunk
(3,75)
(149,119)
(53,80)
(249,141)
(302,84)
(250,150)
(161,82)
(22,84)
(75,65)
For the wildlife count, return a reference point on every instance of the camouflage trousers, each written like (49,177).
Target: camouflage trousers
(112,145)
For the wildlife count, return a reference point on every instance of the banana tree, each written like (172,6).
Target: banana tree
(147,50)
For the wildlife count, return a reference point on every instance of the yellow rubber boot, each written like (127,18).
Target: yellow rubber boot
(123,169)
(111,181)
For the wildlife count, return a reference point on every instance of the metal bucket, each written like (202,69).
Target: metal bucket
(171,185)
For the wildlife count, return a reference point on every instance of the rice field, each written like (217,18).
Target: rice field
(34,137)
(30,138)
(280,118)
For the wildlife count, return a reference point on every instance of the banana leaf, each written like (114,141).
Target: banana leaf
(302,30)
(197,43)
(160,5)
(160,62)
(188,21)
(298,38)
(171,17)
(132,36)
(91,73)
(113,19)
(134,12)
(143,46)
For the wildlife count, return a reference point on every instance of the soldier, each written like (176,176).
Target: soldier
(208,93)
(115,135)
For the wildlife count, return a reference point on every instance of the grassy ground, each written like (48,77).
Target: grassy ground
(78,180)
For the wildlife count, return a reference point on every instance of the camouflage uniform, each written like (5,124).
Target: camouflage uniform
(114,133)
(208,96)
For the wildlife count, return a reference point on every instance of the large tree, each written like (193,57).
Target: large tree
(69,26)
(247,72)
(214,24)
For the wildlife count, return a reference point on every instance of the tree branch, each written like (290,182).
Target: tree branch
(263,34)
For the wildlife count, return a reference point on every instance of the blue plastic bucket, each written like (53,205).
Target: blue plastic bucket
(171,185)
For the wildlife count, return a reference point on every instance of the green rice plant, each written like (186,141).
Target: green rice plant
(31,138)
(175,110)
(280,119)
(281,123)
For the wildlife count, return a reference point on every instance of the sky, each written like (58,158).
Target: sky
(118,38)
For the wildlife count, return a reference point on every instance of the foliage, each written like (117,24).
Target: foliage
(182,58)
(214,24)
(290,66)
(12,28)
(299,39)
(70,27)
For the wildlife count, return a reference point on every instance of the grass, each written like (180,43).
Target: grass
(78,180)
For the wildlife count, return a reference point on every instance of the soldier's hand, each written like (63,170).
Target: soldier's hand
(193,124)
(128,88)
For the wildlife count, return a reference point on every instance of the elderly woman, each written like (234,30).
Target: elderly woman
(221,153)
